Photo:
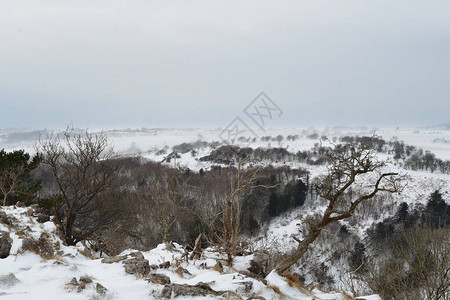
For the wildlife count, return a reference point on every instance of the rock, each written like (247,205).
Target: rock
(9,280)
(4,217)
(200,289)
(137,266)
(86,279)
(245,288)
(74,281)
(100,289)
(137,255)
(43,218)
(259,263)
(158,279)
(256,298)
(165,265)
(113,259)
(5,244)
(153,267)
(20,204)
(230,295)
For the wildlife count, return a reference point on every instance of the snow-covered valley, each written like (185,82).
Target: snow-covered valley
(77,272)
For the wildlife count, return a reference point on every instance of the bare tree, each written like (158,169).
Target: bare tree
(347,163)
(231,210)
(84,172)
(415,265)
(170,200)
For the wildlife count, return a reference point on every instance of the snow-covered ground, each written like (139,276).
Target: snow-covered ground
(26,275)
(47,279)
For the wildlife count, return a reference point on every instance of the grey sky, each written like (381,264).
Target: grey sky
(199,63)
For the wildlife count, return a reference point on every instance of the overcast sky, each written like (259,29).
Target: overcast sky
(189,63)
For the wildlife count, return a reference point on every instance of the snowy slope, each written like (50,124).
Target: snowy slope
(25,275)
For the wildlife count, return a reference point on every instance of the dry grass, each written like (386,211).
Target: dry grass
(39,246)
(294,281)
(275,289)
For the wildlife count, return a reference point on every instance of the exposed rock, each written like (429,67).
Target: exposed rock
(5,244)
(137,266)
(43,218)
(154,267)
(86,279)
(200,289)
(74,281)
(137,255)
(259,263)
(100,289)
(245,288)
(4,217)
(158,279)
(113,259)
(165,265)
(9,280)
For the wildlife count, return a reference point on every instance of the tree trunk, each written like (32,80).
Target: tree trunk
(298,253)
(68,231)
(4,199)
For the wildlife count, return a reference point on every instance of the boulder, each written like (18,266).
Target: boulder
(158,279)
(113,259)
(165,265)
(137,254)
(100,289)
(259,263)
(245,287)
(137,266)
(5,244)
(200,289)
(4,217)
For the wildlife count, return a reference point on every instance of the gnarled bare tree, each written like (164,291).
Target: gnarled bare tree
(84,172)
(347,162)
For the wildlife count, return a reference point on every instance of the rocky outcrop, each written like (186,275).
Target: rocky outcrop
(200,289)
(137,266)
(158,279)
(4,217)
(100,289)
(5,244)
(113,259)
(259,264)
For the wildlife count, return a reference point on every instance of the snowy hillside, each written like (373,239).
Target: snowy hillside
(39,266)
(49,270)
